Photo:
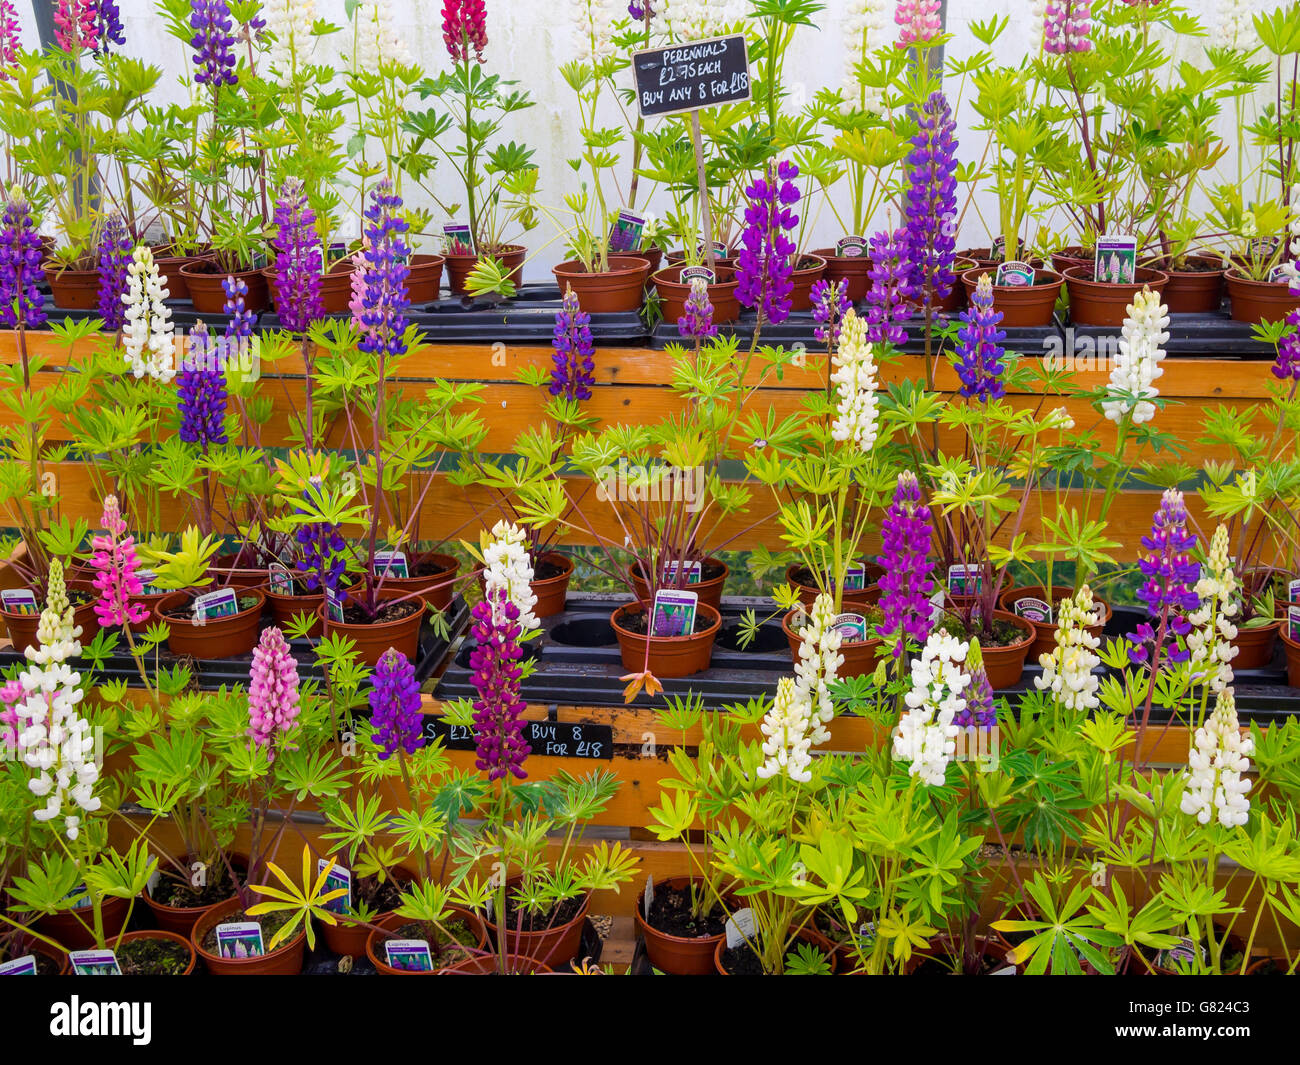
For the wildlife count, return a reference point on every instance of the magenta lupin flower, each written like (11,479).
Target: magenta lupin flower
(114,258)
(829,302)
(765,261)
(889,297)
(931,201)
(1067,26)
(697,322)
(272,690)
(395,706)
(498,710)
(115,563)
(918,22)
(906,586)
(9,38)
(76,24)
(299,263)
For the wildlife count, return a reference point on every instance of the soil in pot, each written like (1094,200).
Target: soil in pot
(619,288)
(1195,285)
(153,954)
(672,294)
(1021,306)
(216,637)
(669,656)
(1103,303)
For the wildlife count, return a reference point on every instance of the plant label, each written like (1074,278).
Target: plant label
(280,577)
(391,564)
(333,606)
(1115,259)
(740,927)
(855,577)
(1032,609)
(648,896)
(625,233)
(340,876)
(94,963)
(1293,592)
(459,240)
(690,273)
(965,578)
(851,627)
(24,966)
(1293,622)
(409,955)
(688,77)
(854,247)
(240,939)
(1015,274)
(694,572)
(19,601)
(674,613)
(223,603)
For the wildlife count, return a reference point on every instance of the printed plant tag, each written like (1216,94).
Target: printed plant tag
(1115,260)
(851,627)
(340,876)
(19,601)
(409,955)
(851,247)
(391,564)
(94,963)
(1016,274)
(24,966)
(240,939)
(648,896)
(625,233)
(694,572)
(223,603)
(740,927)
(1032,609)
(855,577)
(674,613)
(690,273)
(280,577)
(459,240)
(965,579)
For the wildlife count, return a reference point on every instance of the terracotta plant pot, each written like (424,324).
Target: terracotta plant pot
(1292,659)
(169,267)
(437,588)
(372,941)
(1005,665)
(154,933)
(181,919)
(552,947)
(486,965)
(672,294)
(1045,631)
(670,656)
(208,295)
(1195,291)
(22,627)
(677,955)
(620,288)
(1259,301)
(373,640)
(459,267)
(73,290)
(350,937)
(285,960)
(805,936)
(860,656)
(808,593)
(425,278)
(216,637)
(66,929)
(284,607)
(709,591)
(1102,303)
(1255,645)
(1022,306)
(809,269)
(853,269)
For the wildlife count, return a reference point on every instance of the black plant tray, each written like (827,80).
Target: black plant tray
(183,315)
(212,674)
(1214,335)
(527,318)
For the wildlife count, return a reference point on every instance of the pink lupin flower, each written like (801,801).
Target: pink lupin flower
(115,562)
(76,24)
(272,689)
(918,22)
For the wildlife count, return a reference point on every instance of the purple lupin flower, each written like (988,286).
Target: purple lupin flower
(395,706)
(381,273)
(498,710)
(906,586)
(201,391)
(21,304)
(889,298)
(1287,365)
(110,25)
(114,257)
(979,346)
(240,326)
(829,302)
(696,323)
(979,710)
(765,261)
(574,369)
(298,261)
(930,201)
(1169,590)
(213,42)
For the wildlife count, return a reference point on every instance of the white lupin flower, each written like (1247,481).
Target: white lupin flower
(926,735)
(864,29)
(148,340)
(1217,764)
(1213,630)
(1138,363)
(507,567)
(593,29)
(374,39)
(1067,671)
(785,725)
(289,22)
(694,20)
(854,378)
(1234,28)
(818,664)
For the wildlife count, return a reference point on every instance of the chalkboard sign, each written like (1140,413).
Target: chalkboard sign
(555,738)
(687,77)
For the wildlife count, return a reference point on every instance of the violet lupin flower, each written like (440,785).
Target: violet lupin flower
(697,321)
(108,25)
(272,690)
(380,276)
(498,710)
(240,326)
(464,28)
(574,369)
(888,299)
(766,252)
(201,392)
(213,42)
(1169,590)
(395,706)
(298,261)
(21,304)
(829,302)
(906,586)
(114,258)
(1067,26)
(979,346)
(931,202)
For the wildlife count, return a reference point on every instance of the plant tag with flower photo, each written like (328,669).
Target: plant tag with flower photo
(280,577)
(851,627)
(223,603)
(740,927)
(24,966)
(340,876)
(1115,259)
(1293,622)
(965,578)
(1015,274)
(625,233)
(240,939)
(854,247)
(333,606)
(690,273)
(94,963)
(855,577)
(19,601)
(391,564)
(648,896)
(459,239)
(409,955)
(694,571)
(1032,609)
(674,613)
(1293,592)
